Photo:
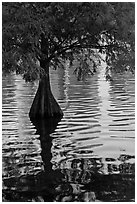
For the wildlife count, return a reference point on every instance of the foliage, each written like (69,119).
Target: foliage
(39,34)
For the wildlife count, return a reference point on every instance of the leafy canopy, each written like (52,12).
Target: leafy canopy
(50,32)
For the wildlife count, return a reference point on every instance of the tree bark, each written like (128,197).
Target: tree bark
(44,104)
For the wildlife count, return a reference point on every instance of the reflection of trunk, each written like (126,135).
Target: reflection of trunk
(44,104)
(44,129)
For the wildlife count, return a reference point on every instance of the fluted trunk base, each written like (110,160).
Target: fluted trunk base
(44,104)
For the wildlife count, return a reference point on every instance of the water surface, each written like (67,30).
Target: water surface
(87,156)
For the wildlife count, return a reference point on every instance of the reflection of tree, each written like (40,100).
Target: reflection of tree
(117,185)
(43,183)
(44,129)
(83,181)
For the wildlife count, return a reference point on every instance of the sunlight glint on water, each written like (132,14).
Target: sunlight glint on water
(95,137)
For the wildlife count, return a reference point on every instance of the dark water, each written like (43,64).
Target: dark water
(87,156)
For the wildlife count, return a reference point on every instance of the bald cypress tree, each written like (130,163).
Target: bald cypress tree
(38,36)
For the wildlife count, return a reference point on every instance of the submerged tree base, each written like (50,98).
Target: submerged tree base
(44,104)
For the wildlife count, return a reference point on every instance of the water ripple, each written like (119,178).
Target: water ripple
(95,137)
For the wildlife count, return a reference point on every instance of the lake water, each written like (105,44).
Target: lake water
(87,156)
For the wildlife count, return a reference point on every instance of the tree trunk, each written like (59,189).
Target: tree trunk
(44,104)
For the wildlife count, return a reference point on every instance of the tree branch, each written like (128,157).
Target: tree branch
(81,46)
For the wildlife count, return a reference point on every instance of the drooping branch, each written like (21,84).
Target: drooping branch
(77,45)
(67,27)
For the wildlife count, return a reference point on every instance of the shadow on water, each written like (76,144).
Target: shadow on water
(83,182)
